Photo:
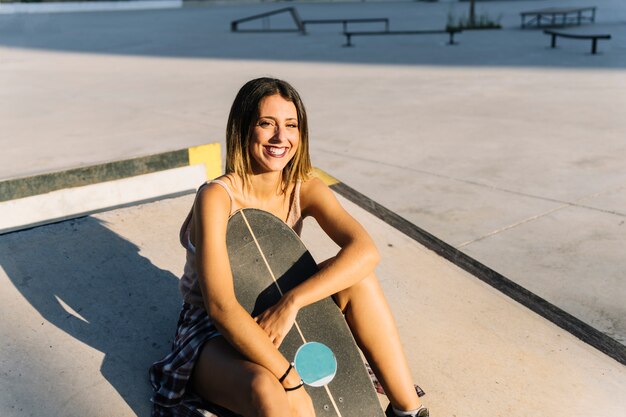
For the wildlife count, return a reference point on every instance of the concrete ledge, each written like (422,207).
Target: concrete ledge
(88,6)
(74,202)
(528,299)
(49,198)
(209,155)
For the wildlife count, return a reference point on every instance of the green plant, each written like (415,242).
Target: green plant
(484,21)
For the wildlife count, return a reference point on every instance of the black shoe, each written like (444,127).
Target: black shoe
(421,412)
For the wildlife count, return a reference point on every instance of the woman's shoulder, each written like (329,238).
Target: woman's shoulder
(226,182)
(230,180)
(312,184)
(313,192)
(217,192)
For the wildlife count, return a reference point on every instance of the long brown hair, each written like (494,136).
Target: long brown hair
(244,115)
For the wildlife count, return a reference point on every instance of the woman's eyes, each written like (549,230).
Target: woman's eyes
(270,123)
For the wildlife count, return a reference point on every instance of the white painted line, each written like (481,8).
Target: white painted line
(91,6)
(73,202)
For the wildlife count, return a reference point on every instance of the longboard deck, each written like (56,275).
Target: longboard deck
(268,259)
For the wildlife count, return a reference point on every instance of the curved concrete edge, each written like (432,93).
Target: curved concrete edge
(473,349)
(535,303)
(75,202)
(49,198)
(88,6)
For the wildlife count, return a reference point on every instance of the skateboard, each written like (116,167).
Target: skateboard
(268,259)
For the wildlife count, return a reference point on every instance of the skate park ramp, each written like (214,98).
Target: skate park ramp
(89,302)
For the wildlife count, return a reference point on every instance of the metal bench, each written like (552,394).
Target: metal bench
(555,16)
(594,38)
(345,22)
(450,32)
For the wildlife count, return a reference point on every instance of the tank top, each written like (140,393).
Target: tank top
(188,285)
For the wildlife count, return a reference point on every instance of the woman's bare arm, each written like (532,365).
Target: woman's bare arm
(357,257)
(211,212)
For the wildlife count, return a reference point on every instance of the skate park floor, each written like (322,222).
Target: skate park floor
(88,304)
(507,150)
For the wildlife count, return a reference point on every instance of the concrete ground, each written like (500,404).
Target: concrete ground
(500,146)
(89,304)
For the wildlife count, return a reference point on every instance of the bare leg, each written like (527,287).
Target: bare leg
(374,328)
(224,377)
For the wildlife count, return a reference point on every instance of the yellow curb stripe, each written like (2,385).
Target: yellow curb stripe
(210,155)
(324,176)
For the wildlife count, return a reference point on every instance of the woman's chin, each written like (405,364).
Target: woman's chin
(268,168)
(271,165)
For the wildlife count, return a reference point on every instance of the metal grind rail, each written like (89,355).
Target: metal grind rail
(234,25)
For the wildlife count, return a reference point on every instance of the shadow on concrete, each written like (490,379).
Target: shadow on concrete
(129,306)
(203,31)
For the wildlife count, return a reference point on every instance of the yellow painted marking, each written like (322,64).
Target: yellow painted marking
(327,178)
(280,290)
(210,155)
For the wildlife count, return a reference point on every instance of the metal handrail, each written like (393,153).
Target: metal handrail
(292,10)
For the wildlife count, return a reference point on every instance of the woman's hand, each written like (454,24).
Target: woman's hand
(278,319)
(300,403)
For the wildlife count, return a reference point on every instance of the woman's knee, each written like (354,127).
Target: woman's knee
(264,384)
(222,376)
(267,396)
(366,287)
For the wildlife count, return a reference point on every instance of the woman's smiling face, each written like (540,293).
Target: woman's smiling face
(276,135)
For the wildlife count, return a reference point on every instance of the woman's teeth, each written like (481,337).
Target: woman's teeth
(274,151)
